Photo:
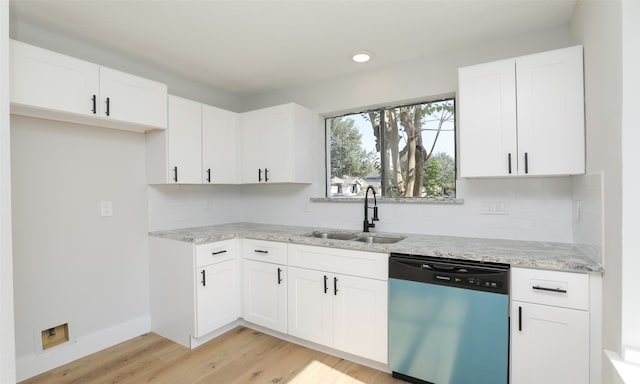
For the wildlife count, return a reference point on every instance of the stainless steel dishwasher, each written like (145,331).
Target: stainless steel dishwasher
(448,320)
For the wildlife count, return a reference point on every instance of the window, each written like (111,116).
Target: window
(406,151)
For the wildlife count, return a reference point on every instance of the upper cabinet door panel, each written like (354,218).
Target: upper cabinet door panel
(487,94)
(45,79)
(551,112)
(185,123)
(132,98)
(219,146)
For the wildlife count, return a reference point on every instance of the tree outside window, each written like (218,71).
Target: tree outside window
(406,151)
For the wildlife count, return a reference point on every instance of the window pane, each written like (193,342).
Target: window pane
(355,159)
(406,151)
(420,150)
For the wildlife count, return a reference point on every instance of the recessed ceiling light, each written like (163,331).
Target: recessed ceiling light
(362,56)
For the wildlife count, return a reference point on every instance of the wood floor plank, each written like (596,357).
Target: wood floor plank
(241,355)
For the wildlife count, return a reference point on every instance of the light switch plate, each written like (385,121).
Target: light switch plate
(106,208)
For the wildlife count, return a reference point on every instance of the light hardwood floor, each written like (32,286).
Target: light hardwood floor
(241,355)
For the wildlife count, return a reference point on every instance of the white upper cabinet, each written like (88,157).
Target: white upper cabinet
(50,85)
(199,146)
(132,99)
(551,112)
(49,80)
(276,143)
(523,116)
(185,136)
(488,138)
(219,146)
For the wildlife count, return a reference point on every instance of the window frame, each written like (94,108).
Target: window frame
(383,155)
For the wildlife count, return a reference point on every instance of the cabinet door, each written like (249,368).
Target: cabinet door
(263,143)
(551,112)
(185,130)
(265,294)
(219,146)
(132,99)
(216,301)
(310,313)
(549,344)
(487,112)
(360,316)
(49,80)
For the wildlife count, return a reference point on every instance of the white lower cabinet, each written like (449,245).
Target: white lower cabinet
(265,294)
(549,327)
(338,310)
(549,344)
(195,289)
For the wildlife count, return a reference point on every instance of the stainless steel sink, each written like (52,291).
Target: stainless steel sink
(333,235)
(375,239)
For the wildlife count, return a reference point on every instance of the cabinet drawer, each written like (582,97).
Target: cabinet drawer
(371,265)
(261,250)
(215,252)
(561,289)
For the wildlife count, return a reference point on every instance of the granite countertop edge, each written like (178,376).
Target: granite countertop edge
(528,254)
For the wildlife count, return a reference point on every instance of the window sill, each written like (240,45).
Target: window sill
(391,200)
(627,372)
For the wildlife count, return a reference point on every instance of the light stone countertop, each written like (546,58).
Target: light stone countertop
(529,254)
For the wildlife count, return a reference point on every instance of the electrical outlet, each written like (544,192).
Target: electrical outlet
(494,207)
(106,208)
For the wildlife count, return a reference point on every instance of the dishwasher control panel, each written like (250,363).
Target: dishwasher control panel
(474,275)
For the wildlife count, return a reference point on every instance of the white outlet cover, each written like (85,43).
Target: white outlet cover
(106,208)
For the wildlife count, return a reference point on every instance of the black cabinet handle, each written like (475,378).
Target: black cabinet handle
(259,174)
(218,252)
(175,174)
(520,319)
(108,105)
(335,286)
(209,175)
(204,277)
(266,175)
(557,290)
(93,100)
(260,251)
(509,163)
(526,162)
(326,288)
(279,276)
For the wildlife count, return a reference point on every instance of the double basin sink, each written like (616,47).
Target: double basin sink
(360,237)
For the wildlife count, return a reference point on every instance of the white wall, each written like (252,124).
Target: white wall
(597,25)
(631,178)
(70,264)
(538,209)
(7,341)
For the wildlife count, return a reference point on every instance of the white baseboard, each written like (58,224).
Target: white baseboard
(35,364)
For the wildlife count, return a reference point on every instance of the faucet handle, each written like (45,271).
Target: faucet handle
(375,214)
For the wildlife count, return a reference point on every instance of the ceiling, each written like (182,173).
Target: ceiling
(246,47)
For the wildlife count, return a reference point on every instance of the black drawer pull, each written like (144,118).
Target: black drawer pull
(266,175)
(509,163)
(108,105)
(325,284)
(219,252)
(93,100)
(526,162)
(557,290)
(260,251)
(279,276)
(175,174)
(335,286)
(520,319)
(259,174)
(204,277)
(209,175)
